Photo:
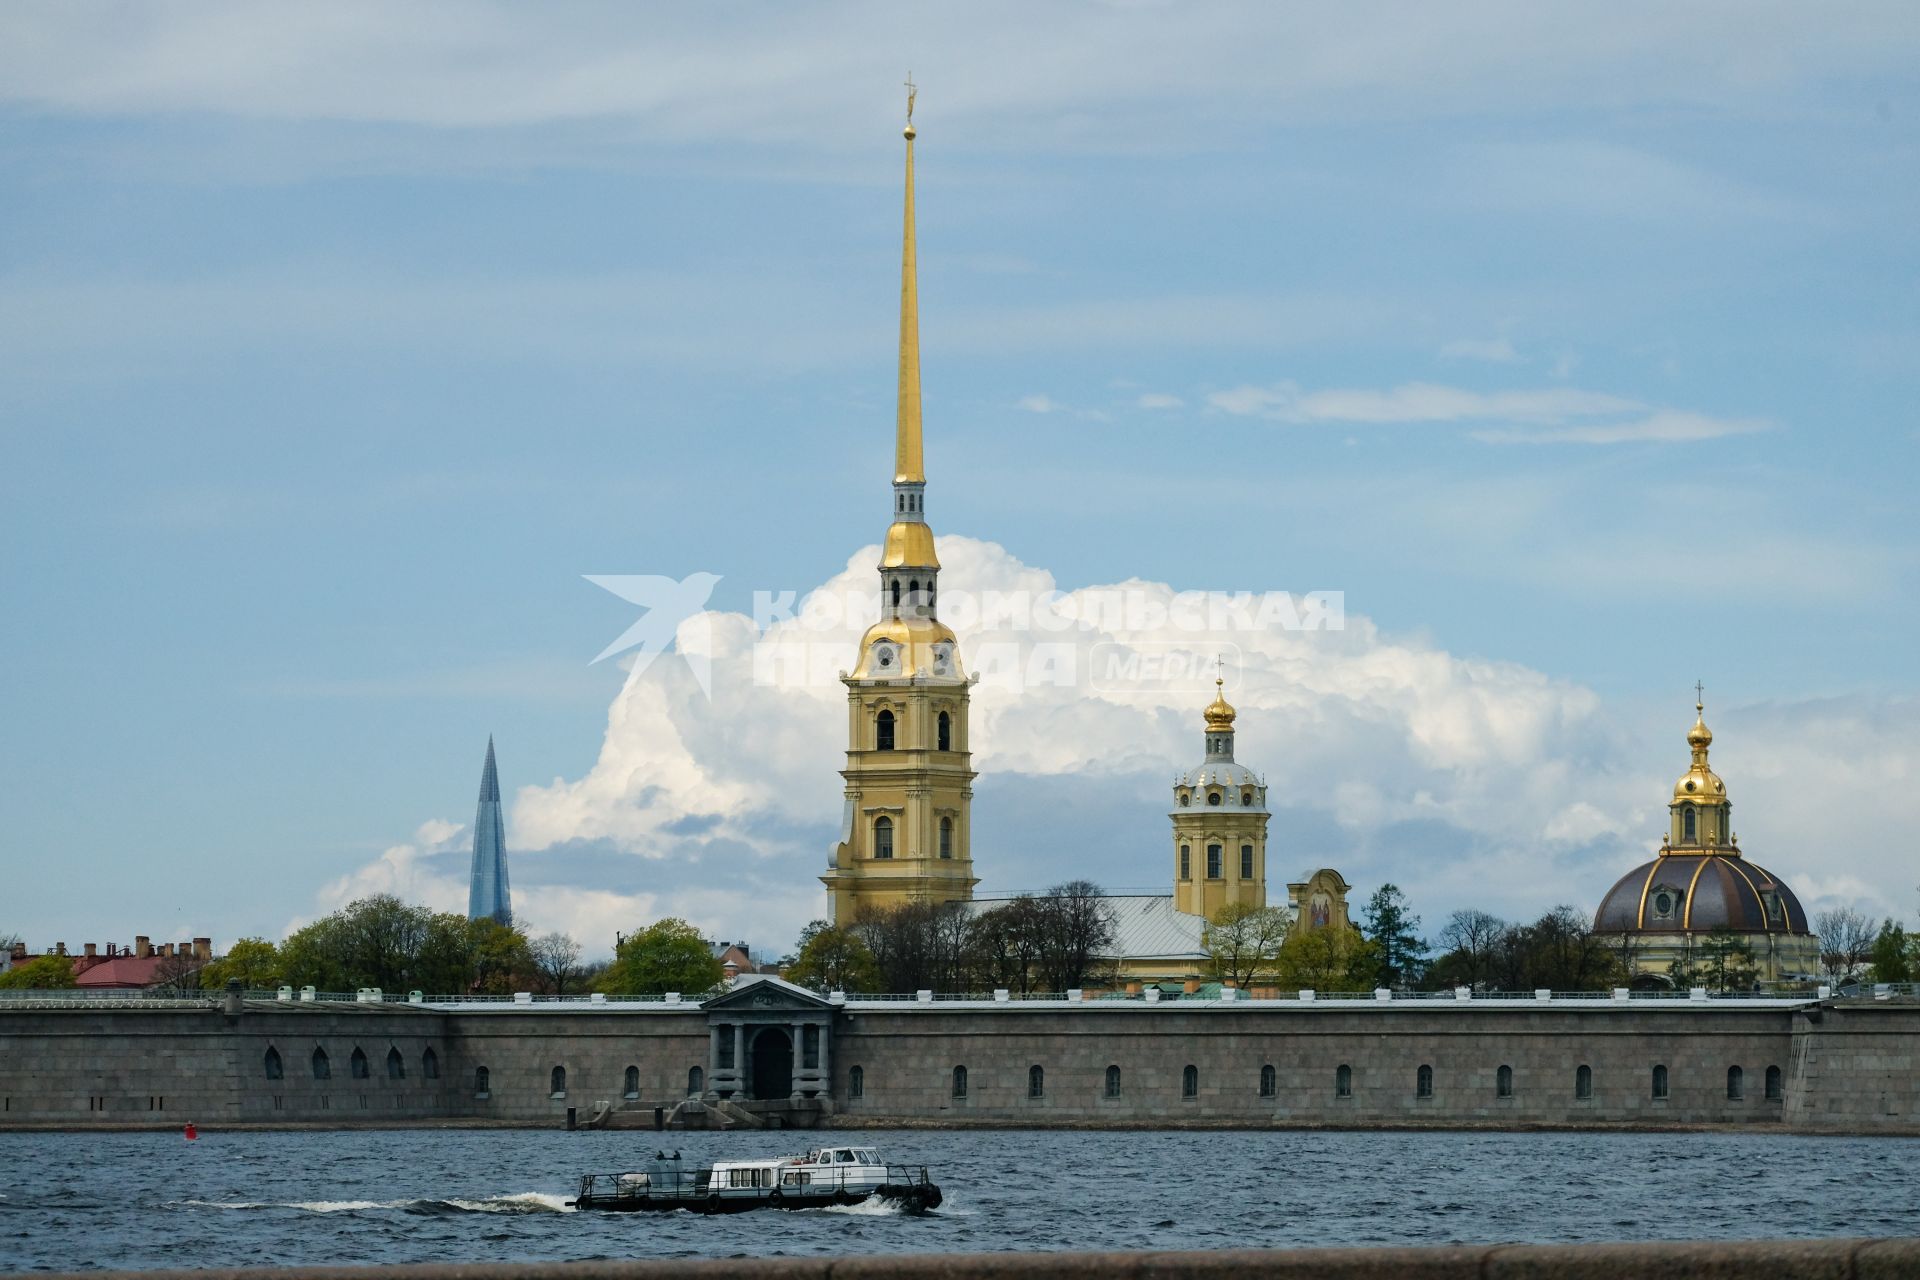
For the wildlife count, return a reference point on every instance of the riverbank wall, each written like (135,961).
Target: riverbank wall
(1842,1065)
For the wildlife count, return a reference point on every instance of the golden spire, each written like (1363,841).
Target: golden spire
(1699,737)
(907,467)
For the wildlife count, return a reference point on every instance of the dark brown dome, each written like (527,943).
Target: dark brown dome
(1697,893)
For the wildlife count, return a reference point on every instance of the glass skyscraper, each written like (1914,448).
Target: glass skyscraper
(487,893)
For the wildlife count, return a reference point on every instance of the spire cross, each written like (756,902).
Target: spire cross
(1699,694)
(911,90)
(1219,669)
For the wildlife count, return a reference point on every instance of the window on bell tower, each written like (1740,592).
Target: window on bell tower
(883,731)
(1246,862)
(1213,862)
(943,732)
(1186,862)
(1688,829)
(896,593)
(946,837)
(883,837)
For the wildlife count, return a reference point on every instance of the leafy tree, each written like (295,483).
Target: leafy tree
(398,946)
(833,959)
(920,945)
(1892,954)
(1243,941)
(498,957)
(667,955)
(1846,943)
(1721,961)
(1394,932)
(1471,940)
(1326,960)
(42,973)
(1006,943)
(254,961)
(555,958)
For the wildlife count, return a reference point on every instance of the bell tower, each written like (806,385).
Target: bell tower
(1219,824)
(905,832)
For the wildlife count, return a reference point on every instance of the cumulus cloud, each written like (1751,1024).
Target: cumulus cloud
(1491,350)
(1159,400)
(1039,403)
(1470,782)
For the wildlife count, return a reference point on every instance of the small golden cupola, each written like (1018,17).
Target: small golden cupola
(1702,817)
(1219,824)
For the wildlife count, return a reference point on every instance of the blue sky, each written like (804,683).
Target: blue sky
(339,342)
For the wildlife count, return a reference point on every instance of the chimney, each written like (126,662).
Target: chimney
(93,952)
(19,951)
(59,948)
(142,946)
(203,948)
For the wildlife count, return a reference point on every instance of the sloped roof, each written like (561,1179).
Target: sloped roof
(1145,926)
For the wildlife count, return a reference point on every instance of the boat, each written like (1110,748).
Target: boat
(825,1176)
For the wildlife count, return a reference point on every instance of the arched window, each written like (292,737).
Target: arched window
(696,1082)
(358,1064)
(1185,799)
(1687,830)
(1246,799)
(1660,1082)
(946,837)
(1213,862)
(632,1083)
(482,1082)
(883,731)
(943,732)
(1246,862)
(1036,1082)
(557,1082)
(1736,1084)
(1343,1081)
(1773,1084)
(959,1082)
(1269,1081)
(1213,797)
(1583,1083)
(396,1065)
(1113,1082)
(896,593)
(322,1068)
(1190,1082)
(857,1082)
(883,835)
(1423,1082)
(430,1065)
(1503,1082)
(274,1069)
(1186,862)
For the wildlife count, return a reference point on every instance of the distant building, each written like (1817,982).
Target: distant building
(736,958)
(120,967)
(487,893)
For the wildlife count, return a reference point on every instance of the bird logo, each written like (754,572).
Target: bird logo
(668,603)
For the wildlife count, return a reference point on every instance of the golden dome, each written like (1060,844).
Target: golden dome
(907,648)
(1220,712)
(1699,784)
(1699,737)
(909,545)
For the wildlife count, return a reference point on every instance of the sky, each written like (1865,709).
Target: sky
(1576,348)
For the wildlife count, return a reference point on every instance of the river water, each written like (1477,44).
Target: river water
(72,1201)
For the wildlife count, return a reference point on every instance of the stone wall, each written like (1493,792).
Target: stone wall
(1856,1065)
(520,1051)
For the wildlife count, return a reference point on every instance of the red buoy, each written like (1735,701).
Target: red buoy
(192,1132)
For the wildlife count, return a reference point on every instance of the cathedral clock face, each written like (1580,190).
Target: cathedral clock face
(886,658)
(943,659)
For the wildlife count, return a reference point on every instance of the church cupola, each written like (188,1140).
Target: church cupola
(1701,814)
(1219,823)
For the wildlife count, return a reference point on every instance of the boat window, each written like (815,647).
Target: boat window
(867,1157)
(843,1157)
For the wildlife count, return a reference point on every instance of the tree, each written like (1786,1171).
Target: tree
(42,973)
(1333,959)
(1243,941)
(1846,943)
(1565,954)
(1078,934)
(497,957)
(1470,938)
(667,955)
(254,961)
(177,974)
(1720,961)
(1892,954)
(555,958)
(920,946)
(833,959)
(1394,932)
(1006,944)
(398,946)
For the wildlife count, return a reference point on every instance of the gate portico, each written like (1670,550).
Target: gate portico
(767,1033)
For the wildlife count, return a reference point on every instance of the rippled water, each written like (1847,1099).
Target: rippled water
(150,1200)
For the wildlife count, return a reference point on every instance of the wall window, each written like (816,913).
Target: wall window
(896,593)
(856,1083)
(946,837)
(396,1065)
(1423,1082)
(1583,1084)
(1213,862)
(1503,1082)
(1269,1083)
(1736,1084)
(358,1064)
(557,1082)
(631,1085)
(1246,799)
(1774,1093)
(1246,862)
(1343,1081)
(883,731)
(696,1081)
(1660,1082)
(1036,1082)
(1185,799)
(1687,827)
(430,1065)
(883,837)
(322,1068)
(1186,862)
(1213,797)
(1113,1082)
(943,732)
(482,1080)
(274,1070)
(959,1082)
(1190,1081)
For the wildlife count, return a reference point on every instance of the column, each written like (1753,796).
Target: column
(713,1061)
(740,1058)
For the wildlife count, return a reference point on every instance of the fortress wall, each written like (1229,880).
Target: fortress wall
(520,1051)
(1856,1066)
(907,1059)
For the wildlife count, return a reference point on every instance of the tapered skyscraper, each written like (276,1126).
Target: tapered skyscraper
(487,893)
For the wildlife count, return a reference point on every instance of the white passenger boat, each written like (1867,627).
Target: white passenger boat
(826,1176)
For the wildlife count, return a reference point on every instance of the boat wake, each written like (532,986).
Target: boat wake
(521,1202)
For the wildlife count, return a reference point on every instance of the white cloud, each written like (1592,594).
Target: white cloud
(1159,400)
(1491,350)
(1666,426)
(1468,782)
(1039,404)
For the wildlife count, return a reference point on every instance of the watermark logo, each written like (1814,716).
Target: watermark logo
(668,603)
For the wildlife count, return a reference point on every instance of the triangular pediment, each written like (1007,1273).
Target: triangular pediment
(765,991)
